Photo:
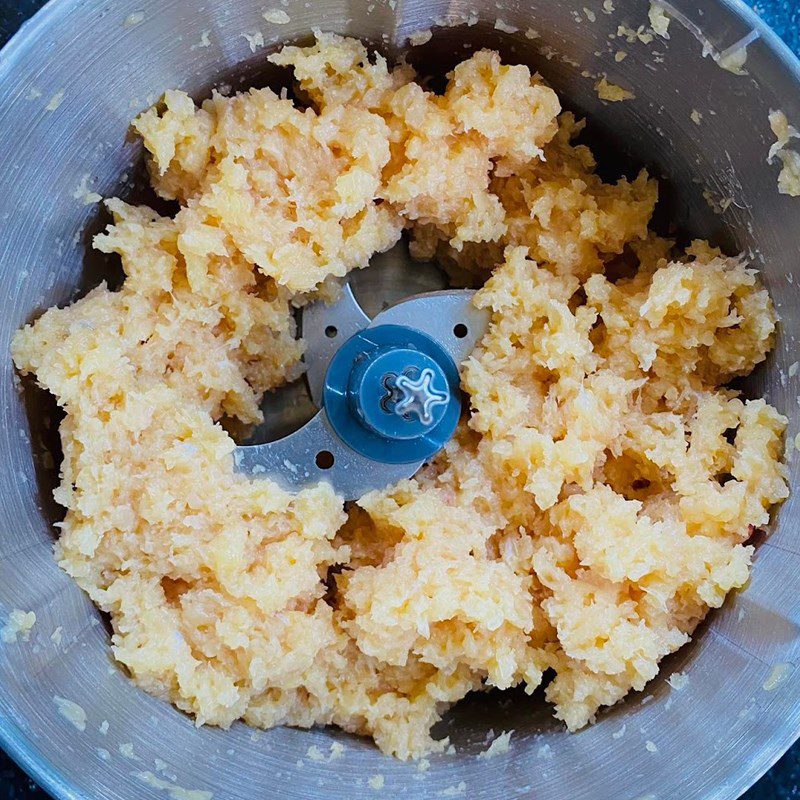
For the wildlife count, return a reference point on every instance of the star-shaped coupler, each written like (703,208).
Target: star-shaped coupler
(419,396)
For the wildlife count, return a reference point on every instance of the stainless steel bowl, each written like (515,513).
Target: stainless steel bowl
(72,79)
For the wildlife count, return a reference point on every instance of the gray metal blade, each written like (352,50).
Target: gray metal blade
(315,453)
(449,317)
(325,328)
(294,462)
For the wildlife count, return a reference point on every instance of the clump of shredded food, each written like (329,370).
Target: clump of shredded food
(595,503)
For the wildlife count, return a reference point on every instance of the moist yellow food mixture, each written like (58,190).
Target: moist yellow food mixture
(594,504)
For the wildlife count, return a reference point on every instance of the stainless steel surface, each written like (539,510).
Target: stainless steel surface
(314,452)
(447,316)
(325,328)
(713,738)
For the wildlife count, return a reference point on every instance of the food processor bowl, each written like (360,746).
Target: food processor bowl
(72,79)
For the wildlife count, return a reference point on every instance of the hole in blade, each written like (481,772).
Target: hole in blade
(460,330)
(331,331)
(324,459)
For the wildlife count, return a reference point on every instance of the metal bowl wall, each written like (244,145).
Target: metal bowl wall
(72,79)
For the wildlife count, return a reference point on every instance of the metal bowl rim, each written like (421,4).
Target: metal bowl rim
(21,749)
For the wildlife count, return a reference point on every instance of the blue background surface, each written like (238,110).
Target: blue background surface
(782,782)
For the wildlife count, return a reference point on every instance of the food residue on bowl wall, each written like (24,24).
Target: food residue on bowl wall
(420,37)
(499,746)
(503,26)
(205,40)
(789,178)
(71,712)
(611,92)
(84,193)
(335,751)
(126,751)
(276,16)
(678,681)
(133,19)
(456,790)
(733,59)
(173,791)
(56,100)
(659,20)
(254,40)
(631,35)
(18,626)
(777,675)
